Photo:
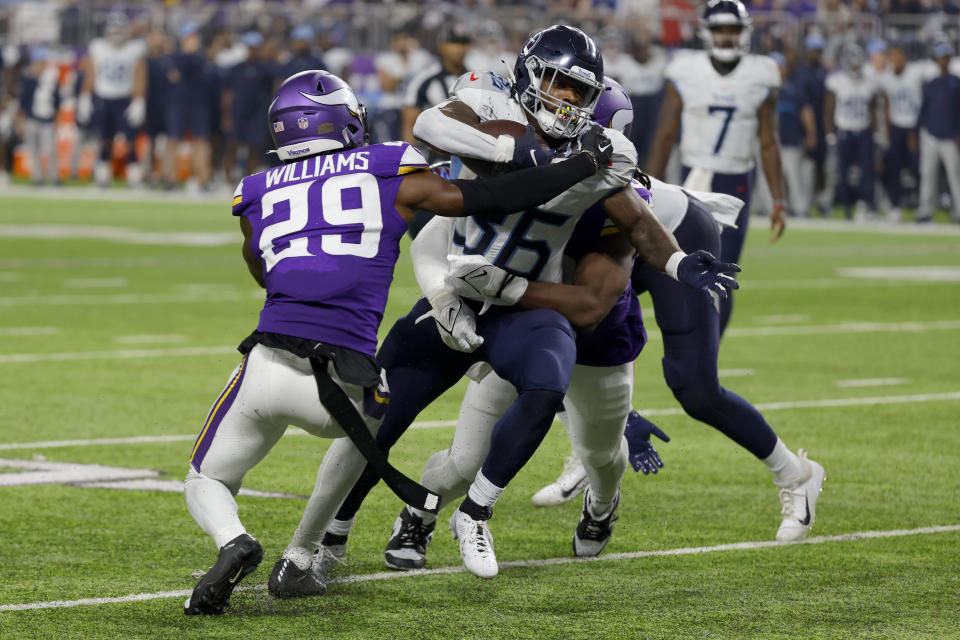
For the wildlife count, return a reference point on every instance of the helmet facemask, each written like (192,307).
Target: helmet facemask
(559,118)
(726,54)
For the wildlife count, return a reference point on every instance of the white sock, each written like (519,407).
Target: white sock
(787,469)
(213,507)
(299,556)
(598,509)
(340,527)
(484,492)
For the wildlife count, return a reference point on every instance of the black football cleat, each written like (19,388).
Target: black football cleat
(287,580)
(237,558)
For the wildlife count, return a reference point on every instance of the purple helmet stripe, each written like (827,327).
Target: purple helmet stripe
(219,410)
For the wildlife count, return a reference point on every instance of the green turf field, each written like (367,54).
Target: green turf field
(117,319)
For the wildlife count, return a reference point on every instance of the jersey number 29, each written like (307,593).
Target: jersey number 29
(368,214)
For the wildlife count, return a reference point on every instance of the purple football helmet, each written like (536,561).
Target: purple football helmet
(315,112)
(614,109)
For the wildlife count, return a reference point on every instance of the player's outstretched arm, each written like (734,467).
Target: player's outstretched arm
(668,127)
(657,247)
(505,194)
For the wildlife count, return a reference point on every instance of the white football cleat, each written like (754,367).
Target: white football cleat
(799,502)
(330,554)
(476,545)
(571,482)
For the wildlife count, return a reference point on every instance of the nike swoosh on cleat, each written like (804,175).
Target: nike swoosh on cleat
(236,577)
(806,521)
(569,492)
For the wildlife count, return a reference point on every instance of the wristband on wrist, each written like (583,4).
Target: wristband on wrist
(673,262)
(503,152)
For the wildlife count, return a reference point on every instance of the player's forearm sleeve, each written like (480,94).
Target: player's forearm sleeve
(429,255)
(519,190)
(459,138)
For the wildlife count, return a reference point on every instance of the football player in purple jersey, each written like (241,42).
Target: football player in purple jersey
(321,235)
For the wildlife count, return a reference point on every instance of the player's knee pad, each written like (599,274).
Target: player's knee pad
(195,481)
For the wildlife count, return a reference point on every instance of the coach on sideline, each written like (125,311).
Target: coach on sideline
(940,135)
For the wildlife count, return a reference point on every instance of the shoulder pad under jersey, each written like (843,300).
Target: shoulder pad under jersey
(489,95)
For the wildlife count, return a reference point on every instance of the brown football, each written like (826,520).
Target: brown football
(483,168)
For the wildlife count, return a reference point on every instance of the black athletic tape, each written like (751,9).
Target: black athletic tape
(335,400)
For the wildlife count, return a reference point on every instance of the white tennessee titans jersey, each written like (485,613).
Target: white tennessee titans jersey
(114,67)
(719,117)
(905,92)
(669,203)
(531,243)
(853,98)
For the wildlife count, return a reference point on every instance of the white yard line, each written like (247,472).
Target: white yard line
(122,235)
(871,382)
(436,424)
(29,331)
(79,299)
(736,332)
(121,354)
(393,575)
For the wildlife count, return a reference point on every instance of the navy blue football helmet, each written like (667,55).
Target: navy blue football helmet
(559,55)
(720,13)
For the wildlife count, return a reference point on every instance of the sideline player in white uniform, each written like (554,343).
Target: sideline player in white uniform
(723,97)
(113,96)
(850,122)
(902,93)
(558,75)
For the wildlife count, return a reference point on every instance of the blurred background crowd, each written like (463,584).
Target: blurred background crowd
(174,94)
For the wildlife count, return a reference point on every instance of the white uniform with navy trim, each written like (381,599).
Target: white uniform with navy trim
(114,67)
(905,92)
(719,118)
(531,243)
(854,95)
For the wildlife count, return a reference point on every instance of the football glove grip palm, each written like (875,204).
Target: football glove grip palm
(473,277)
(643,455)
(701,270)
(455,321)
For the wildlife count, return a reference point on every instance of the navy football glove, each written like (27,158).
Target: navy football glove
(643,456)
(701,270)
(528,152)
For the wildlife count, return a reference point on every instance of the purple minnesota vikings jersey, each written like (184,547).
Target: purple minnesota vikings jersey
(620,336)
(327,232)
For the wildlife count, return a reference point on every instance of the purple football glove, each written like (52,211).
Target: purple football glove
(643,456)
(527,151)
(701,270)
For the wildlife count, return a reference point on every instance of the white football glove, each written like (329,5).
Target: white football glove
(456,322)
(136,112)
(472,276)
(84,109)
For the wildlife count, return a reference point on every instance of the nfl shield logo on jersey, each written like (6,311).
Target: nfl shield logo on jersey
(302,122)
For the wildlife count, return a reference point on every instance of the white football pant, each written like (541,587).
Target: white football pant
(597,403)
(270,390)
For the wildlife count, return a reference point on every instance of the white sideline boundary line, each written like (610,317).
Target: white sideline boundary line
(547,562)
(435,424)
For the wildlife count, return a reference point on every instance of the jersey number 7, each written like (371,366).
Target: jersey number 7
(728,115)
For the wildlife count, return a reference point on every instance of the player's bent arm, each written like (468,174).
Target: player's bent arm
(654,244)
(428,252)
(668,127)
(502,195)
(450,127)
(253,262)
(598,282)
